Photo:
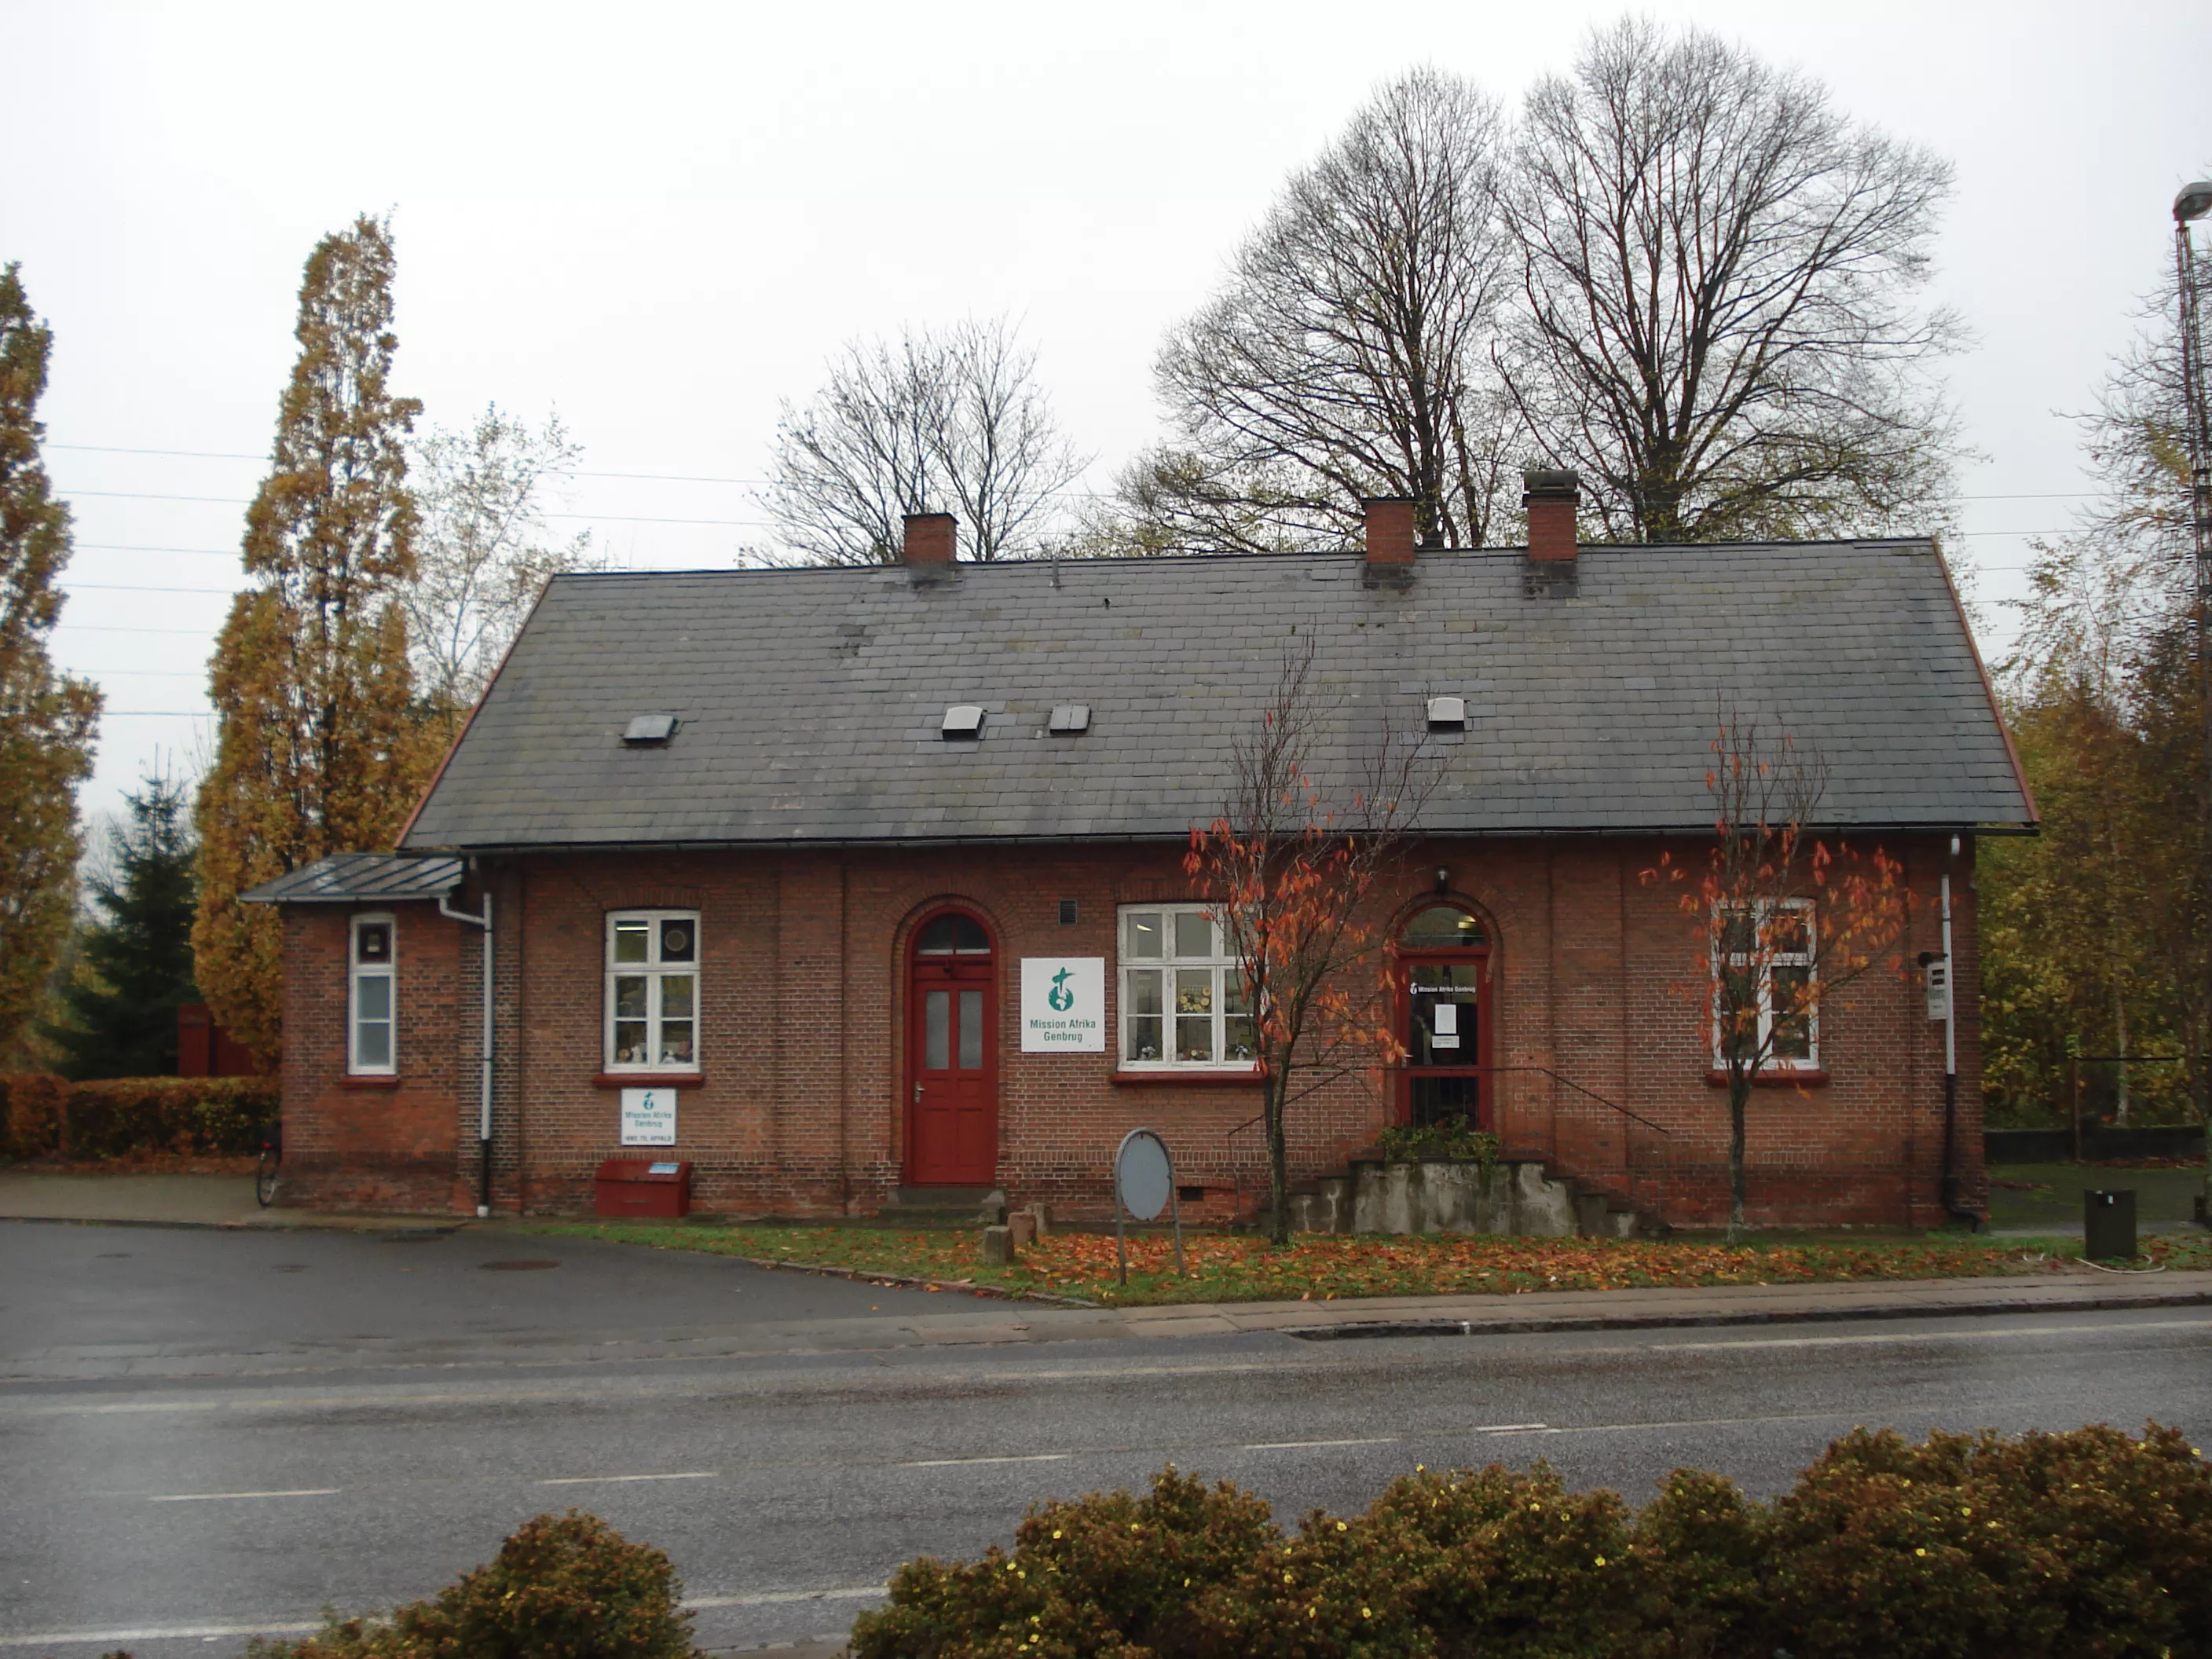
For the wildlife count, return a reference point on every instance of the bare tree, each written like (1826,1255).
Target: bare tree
(1347,354)
(1717,327)
(1289,872)
(951,421)
(1783,920)
(482,552)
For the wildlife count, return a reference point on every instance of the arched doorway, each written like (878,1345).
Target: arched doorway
(1443,1017)
(952,1119)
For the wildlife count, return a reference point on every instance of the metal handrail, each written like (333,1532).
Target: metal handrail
(1546,1071)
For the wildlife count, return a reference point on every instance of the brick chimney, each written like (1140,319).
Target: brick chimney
(1551,496)
(931,538)
(1389,530)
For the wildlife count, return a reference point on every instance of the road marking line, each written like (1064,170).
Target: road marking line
(600,1479)
(779,1598)
(166,1633)
(2001,1335)
(952,1463)
(281,1627)
(1508,1428)
(212,1497)
(1303,1445)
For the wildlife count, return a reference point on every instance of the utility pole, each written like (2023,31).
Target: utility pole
(2194,202)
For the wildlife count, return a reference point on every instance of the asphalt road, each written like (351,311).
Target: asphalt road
(204,1434)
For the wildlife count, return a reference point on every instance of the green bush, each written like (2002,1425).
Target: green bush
(1453,1139)
(2091,1542)
(564,1586)
(2088,1543)
(1113,1575)
(114,1117)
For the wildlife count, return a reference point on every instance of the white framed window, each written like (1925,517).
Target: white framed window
(1185,1005)
(1766,960)
(653,991)
(372,999)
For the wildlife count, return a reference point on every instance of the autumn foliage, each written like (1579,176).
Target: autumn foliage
(1289,872)
(1782,917)
(321,747)
(47,719)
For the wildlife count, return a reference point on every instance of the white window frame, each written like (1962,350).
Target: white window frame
(655,973)
(388,971)
(1218,963)
(1807,959)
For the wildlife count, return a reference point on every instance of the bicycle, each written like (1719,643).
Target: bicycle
(272,1156)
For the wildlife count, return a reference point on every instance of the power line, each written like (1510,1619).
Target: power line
(698,477)
(138,547)
(135,586)
(107,627)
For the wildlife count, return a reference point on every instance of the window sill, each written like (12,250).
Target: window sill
(1170,1080)
(369,1080)
(649,1080)
(1805,1078)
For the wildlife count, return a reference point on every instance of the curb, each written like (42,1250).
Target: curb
(390,1224)
(1363,1330)
(866,1276)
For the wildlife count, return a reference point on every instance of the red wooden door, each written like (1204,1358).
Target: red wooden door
(952,1041)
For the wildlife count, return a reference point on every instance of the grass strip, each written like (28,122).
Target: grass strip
(1240,1267)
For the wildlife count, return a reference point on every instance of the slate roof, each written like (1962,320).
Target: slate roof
(354,878)
(810,700)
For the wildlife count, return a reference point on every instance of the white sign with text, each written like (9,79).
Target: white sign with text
(1063,1005)
(648,1117)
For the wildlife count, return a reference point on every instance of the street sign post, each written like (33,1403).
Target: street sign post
(1143,1185)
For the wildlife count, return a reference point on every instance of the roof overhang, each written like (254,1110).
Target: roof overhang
(363,878)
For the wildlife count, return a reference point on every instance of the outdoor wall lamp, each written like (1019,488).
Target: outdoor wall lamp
(1444,879)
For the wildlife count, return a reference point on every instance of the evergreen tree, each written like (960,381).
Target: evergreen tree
(320,748)
(136,960)
(47,720)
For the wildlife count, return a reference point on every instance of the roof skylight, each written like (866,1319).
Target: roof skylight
(1069,718)
(648,729)
(963,720)
(1447,714)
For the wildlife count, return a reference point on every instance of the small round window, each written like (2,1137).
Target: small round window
(954,935)
(1441,927)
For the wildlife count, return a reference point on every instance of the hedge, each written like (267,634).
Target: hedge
(2089,1543)
(46,1117)
(563,1587)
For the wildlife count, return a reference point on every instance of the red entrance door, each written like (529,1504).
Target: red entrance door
(953,1129)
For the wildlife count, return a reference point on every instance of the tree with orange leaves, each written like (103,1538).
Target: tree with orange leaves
(1288,873)
(1783,919)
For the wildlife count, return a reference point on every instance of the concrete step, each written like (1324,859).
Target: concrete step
(967,1205)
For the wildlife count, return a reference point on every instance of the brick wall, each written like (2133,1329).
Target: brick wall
(373,1144)
(801,1109)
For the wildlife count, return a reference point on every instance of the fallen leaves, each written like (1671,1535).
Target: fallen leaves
(1237,1268)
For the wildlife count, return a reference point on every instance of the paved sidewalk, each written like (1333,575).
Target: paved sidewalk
(170,1200)
(226,1201)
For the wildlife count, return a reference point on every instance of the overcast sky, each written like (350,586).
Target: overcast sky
(659,220)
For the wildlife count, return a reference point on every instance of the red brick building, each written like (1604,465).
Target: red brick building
(876,875)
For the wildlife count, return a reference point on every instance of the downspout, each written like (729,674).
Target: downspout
(483,1045)
(1952,1207)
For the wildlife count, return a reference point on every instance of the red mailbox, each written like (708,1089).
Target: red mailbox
(643,1187)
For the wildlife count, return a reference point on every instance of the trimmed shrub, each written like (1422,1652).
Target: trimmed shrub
(1111,1576)
(2091,1542)
(114,1117)
(30,1108)
(2086,1543)
(564,1586)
